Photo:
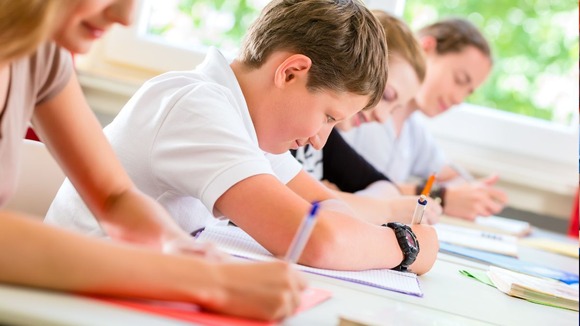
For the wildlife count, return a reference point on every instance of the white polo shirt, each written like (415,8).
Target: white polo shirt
(413,153)
(184,138)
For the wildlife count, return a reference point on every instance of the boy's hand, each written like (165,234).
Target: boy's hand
(428,245)
(479,198)
(402,209)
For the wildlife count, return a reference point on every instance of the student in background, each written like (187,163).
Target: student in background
(38,85)
(458,61)
(372,194)
(214,142)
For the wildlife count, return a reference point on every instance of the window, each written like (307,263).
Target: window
(535,47)
(535,44)
(202,23)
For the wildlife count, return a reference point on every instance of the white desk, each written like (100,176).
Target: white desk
(23,306)
(449,299)
(447,291)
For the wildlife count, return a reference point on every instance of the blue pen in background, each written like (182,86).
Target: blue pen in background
(302,235)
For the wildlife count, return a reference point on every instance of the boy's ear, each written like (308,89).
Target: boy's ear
(295,66)
(429,44)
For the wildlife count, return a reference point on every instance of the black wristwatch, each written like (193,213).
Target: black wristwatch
(408,243)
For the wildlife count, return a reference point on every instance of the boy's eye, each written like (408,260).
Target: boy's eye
(330,119)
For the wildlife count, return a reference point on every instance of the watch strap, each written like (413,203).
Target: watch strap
(410,251)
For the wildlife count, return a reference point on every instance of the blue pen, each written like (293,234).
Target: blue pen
(419,210)
(302,235)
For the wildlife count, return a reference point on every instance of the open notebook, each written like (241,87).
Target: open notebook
(236,242)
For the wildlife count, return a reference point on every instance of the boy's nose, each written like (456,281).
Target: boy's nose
(317,142)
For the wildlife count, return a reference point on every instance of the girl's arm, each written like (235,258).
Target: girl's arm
(39,255)
(71,132)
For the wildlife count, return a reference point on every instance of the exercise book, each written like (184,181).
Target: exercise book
(236,242)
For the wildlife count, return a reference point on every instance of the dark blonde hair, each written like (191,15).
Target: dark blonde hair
(24,25)
(402,42)
(343,39)
(455,34)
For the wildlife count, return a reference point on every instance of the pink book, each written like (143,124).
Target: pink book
(190,312)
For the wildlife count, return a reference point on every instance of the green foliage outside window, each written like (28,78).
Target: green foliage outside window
(220,23)
(535,48)
(243,14)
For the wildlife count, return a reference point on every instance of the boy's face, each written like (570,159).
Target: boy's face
(450,78)
(303,117)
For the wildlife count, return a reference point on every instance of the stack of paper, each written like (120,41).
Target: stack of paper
(476,239)
(559,247)
(236,242)
(535,289)
(494,224)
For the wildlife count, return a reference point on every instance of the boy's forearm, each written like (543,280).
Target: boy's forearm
(343,243)
(368,209)
(409,189)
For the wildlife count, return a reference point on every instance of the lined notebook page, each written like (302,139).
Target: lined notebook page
(236,242)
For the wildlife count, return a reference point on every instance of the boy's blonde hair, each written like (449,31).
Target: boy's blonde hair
(24,25)
(455,34)
(343,39)
(402,42)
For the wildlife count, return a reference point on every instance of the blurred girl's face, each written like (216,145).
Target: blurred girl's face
(87,20)
(402,86)
(450,78)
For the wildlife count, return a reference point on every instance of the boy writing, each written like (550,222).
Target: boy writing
(215,140)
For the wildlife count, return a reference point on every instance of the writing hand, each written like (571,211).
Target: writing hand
(471,200)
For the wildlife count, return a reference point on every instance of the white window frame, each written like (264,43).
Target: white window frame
(518,147)
(523,150)
(128,46)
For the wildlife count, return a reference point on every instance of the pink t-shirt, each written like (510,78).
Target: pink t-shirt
(33,80)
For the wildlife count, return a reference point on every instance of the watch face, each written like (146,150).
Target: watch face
(410,239)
